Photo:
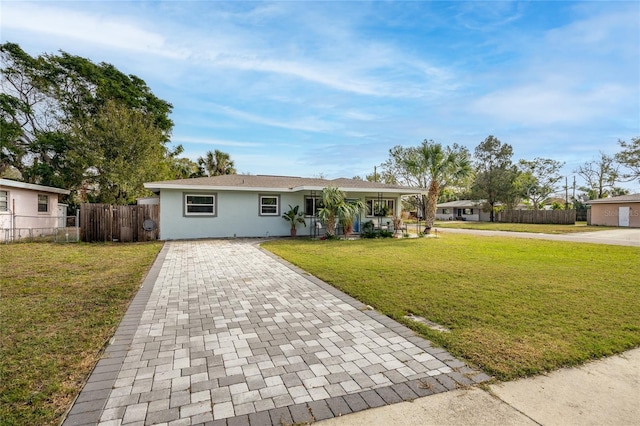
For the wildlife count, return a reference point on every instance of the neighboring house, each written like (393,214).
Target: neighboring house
(25,206)
(461,210)
(616,211)
(253,205)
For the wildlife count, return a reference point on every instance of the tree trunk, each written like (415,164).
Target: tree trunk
(432,203)
(331,226)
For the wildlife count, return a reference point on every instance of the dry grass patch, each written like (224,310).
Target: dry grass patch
(515,307)
(60,305)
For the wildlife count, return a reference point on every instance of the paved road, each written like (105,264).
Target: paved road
(621,237)
(225,333)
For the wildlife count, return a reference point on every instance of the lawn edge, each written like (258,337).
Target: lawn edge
(94,393)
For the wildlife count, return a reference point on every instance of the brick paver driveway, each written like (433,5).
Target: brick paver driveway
(225,333)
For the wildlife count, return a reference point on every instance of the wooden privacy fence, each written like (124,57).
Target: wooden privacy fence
(563,217)
(104,222)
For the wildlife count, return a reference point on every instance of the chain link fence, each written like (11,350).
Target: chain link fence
(59,229)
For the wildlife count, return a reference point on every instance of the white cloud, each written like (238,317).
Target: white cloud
(544,104)
(318,74)
(212,141)
(581,73)
(346,63)
(111,31)
(310,124)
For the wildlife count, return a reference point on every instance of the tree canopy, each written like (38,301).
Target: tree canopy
(437,168)
(495,174)
(431,167)
(217,163)
(538,179)
(64,119)
(600,176)
(629,157)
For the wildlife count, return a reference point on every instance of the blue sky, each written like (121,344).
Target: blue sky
(327,88)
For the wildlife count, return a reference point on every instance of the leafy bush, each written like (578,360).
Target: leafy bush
(369,231)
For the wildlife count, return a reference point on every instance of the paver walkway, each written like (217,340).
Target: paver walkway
(223,332)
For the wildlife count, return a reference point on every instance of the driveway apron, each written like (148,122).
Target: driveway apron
(223,332)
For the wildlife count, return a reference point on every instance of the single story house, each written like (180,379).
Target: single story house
(623,210)
(26,208)
(462,210)
(252,205)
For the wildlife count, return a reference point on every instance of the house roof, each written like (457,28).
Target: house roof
(17,184)
(276,183)
(460,203)
(631,198)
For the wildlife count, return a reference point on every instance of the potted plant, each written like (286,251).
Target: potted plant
(294,217)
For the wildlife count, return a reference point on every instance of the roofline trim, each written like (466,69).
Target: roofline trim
(24,185)
(159,186)
(612,201)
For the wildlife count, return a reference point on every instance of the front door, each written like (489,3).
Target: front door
(356,219)
(623,216)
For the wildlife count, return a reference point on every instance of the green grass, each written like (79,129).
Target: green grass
(515,307)
(524,227)
(60,305)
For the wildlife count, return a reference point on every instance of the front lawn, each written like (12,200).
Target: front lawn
(515,307)
(60,304)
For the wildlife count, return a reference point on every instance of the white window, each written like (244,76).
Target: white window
(269,205)
(43,203)
(4,201)
(199,204)
(380,207)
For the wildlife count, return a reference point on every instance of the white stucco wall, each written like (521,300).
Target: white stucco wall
(23,210)
(237,215)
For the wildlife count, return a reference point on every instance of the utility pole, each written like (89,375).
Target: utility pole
(566,193)
(375,174)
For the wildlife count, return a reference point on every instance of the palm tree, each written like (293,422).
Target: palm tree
(441,167)
(217,163)
(336,209)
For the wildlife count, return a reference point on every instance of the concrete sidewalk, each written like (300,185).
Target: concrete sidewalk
(603,392)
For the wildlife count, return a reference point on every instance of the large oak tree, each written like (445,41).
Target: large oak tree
(51,103)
